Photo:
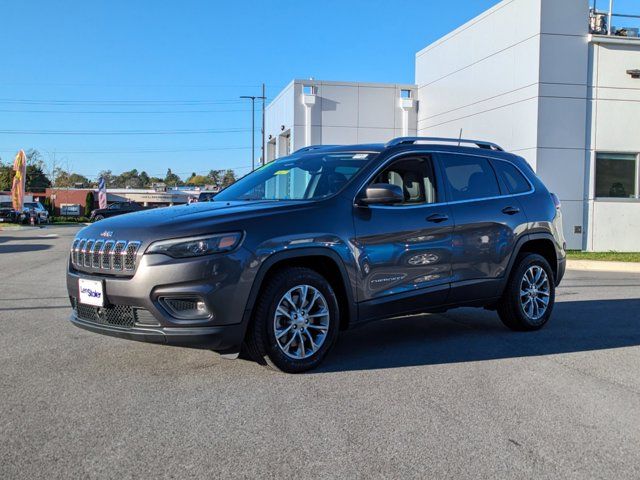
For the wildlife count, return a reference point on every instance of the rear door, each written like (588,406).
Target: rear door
(404,250)
(488,222)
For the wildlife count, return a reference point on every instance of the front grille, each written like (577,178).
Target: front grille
(104,256)
(122,316)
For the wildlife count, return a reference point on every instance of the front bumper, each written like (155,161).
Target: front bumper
(219,280)
(226,339)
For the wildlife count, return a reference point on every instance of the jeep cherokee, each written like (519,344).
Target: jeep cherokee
(323,240)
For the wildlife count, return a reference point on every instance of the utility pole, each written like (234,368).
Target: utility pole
(264,99)
(253,127)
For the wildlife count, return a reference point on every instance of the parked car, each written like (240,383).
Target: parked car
(8,214)
(41,213)
(323,240)
(118,208)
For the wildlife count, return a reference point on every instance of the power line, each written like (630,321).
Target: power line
(119,102)
(150,150)
(118,112)
(123,132)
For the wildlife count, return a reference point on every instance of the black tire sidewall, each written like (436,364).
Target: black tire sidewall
(288,279)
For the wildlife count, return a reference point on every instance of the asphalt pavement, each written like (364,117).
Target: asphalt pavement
(453,395)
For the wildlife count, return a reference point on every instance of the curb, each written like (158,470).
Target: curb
(603,266)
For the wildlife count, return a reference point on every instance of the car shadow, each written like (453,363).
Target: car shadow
(23,248)
(468,335)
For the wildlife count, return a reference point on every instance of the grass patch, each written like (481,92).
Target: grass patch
(604,256)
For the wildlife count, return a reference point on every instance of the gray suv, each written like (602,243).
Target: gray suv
(326,239)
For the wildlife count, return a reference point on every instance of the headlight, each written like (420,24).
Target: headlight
(197,246)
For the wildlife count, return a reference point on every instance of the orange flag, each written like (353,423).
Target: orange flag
(17,189)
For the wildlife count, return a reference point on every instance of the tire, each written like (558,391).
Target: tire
(287,353)
(528,311)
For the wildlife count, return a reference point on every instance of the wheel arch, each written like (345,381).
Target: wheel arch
(540,243)
(324,261)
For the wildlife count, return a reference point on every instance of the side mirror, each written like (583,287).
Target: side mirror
(382,194)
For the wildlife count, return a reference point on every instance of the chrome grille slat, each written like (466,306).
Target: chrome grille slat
(88,251)
(108,256)
(118,255)
(95,257)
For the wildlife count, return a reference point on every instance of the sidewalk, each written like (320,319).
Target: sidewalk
(603,266)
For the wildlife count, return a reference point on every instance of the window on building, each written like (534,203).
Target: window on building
(616,175)
(469,177)
(308,89)
(405,93)
(512,177)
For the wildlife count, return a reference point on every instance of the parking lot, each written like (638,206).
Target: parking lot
(454,395)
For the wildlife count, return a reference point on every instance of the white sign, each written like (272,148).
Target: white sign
(91,292)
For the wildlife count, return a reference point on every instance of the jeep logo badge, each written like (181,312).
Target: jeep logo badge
(106,234)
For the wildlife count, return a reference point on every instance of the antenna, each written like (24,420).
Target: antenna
(460,137)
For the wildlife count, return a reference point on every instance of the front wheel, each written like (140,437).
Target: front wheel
(296,321)
(529,296)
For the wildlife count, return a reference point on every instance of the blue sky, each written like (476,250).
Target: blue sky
(98,65)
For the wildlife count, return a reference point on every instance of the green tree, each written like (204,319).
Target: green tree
(88,204)
(6,176)
(171,179)
(64,179)
(215,177)
(199,180)
(229,178)
(145,181)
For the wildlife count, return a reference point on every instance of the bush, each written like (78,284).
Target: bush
(69,220)
(88,204)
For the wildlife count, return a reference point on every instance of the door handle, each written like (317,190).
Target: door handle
(510,210)
(437,218)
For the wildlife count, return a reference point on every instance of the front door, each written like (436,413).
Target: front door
(404,250)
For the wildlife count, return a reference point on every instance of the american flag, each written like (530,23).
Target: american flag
(102,193)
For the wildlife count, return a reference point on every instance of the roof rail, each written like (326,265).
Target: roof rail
(410,140)
(313,147)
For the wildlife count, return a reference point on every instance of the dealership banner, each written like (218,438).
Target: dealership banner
(102,193)
(17,189)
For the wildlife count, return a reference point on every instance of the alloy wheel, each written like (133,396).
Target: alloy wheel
(301,322)
(534,292)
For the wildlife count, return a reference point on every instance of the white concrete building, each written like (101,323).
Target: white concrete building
(554,81)
(313,112)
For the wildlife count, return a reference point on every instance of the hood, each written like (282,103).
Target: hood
(181,221)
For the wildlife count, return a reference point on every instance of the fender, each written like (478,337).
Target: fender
(516,251)
(300,253)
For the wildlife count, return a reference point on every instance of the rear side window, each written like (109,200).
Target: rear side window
(511,176)
(469,177)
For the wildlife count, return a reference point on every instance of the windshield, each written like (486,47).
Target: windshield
(309,177)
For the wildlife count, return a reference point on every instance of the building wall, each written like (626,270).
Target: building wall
(516,75)
(341,113)
(614,111)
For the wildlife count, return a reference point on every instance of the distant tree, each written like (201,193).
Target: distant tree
(6,176)
(36,179)
(88,204)
(229,178)
(172,179)
(64,179)
(200,180)
(48,205)
(215,177)
(145,181)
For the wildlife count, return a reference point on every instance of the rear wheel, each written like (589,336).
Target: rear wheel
(296,321)
(529,297)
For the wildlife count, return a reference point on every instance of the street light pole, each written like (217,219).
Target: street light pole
(253,127)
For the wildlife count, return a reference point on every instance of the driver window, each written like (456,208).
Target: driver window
(415,176)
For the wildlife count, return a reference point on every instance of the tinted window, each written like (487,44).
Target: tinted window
(515,181)
(414,176)
(469,177)
(616,175)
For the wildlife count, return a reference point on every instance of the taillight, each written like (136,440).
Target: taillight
(556,201)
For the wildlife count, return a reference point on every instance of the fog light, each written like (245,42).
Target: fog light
(186,308)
